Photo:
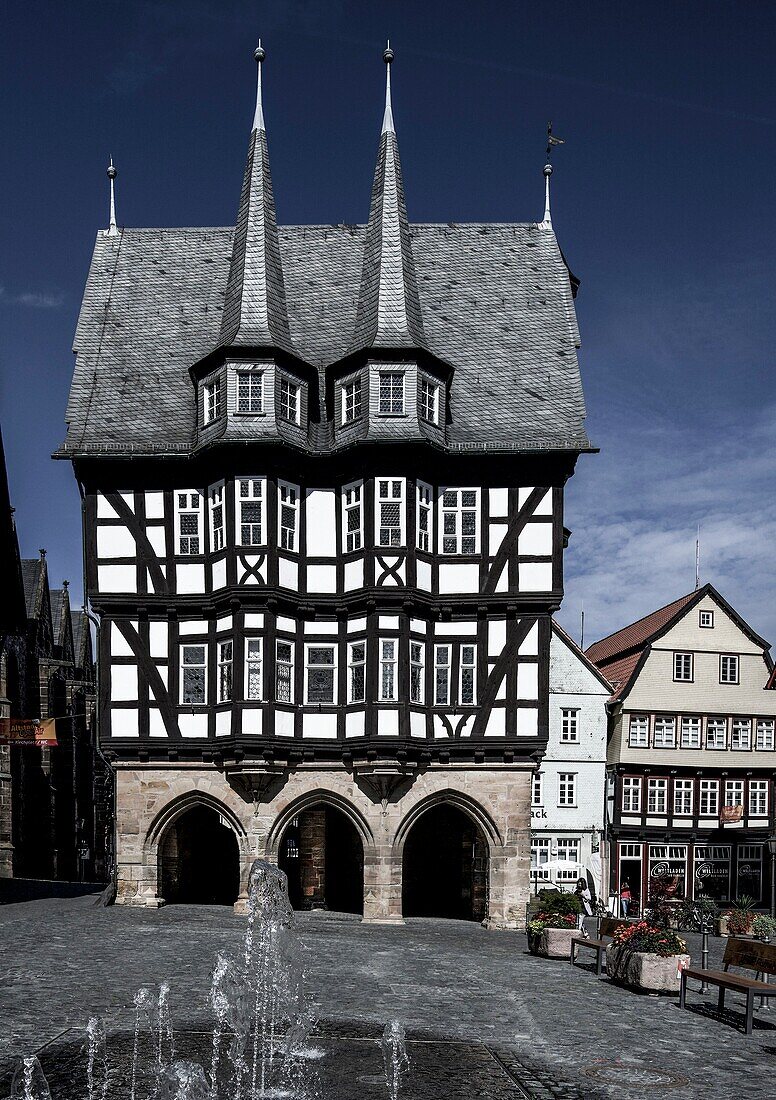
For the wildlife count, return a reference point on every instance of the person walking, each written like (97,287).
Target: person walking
(582,891)
(625,898)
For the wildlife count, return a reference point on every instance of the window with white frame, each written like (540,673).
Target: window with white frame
(716,733)
(250,511)
(741,734)
(765,733)
(353,516)
(212,400)
(638,731)
(289,400)
(193,674)
(460,521)
(709,797)
(540,855)
(567,788)
(706,619)
(734,792)
(253,683)
(351,401)
(188,521)
(417,672)
(691,733)
(631,794)
(356,672)
(467,675)
(442,654)
(728,668)
(284,671)
(288,515)
(250,391)
(423,521)
(657,794)
(568,852)
(683,797)
(537,789)
(665,732)
(429,401)
(388,669)
(569,725)
(321,674)
(391,393)
(225,652)
(216,509)
(683,667)
(758,797)
(390,512)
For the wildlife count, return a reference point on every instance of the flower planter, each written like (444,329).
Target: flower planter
(645,970)
(553,943)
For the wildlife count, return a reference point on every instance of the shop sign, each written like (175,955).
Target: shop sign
(28,731)
(719,869)
(729,814)
(657,870)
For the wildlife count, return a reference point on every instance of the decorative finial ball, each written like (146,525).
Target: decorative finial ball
(259,54)
(548,169)
(112,173)
(388,55)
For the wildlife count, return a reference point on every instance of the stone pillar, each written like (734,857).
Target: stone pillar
(509,880)
(382,873)
(312,857)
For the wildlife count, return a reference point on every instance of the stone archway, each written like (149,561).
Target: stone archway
(199,858)
(322,854)
(445,865)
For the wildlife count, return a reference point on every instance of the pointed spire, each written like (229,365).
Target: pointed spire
(255,303)
(388,314)
(112,230)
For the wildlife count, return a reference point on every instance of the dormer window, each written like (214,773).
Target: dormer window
(289,400)
(351,401)
(429,401)
(250,391)
(391,394)
(212,400)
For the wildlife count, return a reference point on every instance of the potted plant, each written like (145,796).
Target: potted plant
(645,957)
(551,930)
(764,928)
(740,916)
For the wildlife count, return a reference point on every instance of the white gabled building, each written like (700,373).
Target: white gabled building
(567,805)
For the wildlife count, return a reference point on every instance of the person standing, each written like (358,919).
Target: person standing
(625,898)
(582,891)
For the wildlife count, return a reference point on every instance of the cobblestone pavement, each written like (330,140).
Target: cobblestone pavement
(557,1030)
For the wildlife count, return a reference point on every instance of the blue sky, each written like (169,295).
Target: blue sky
(662,202)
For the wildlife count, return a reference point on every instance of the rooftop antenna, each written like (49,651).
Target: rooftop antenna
(112,228)
(698,558)
(552,141)
(582,631)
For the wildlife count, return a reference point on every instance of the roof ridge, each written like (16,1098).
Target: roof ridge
(605,648)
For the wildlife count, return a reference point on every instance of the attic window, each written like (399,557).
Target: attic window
(706,618)
(429,401)
(250,391)
(212,400)
(391,396)
(289,401)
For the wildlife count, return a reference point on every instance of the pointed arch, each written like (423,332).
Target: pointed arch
(306,801)
(179,805)
(451,797)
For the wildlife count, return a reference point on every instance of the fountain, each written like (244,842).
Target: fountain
(260,1044)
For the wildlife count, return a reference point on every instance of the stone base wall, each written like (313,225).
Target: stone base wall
(497,798)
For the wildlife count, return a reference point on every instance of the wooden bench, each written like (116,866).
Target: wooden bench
(609,926)
(748,954)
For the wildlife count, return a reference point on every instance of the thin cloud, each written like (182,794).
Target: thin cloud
(33,299)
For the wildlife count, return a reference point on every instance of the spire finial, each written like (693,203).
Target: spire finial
(388,56)
(258,119)
(552,141)
(112,227)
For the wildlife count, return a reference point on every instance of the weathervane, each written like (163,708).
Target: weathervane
(552,141)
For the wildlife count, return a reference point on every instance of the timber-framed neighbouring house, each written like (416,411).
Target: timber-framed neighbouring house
(323,470)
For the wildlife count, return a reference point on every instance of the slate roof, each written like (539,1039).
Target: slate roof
(33,575)
(58,606)
(496,300)
(581,655)
(389,313)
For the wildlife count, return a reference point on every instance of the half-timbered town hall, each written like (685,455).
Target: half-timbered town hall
(323,470)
